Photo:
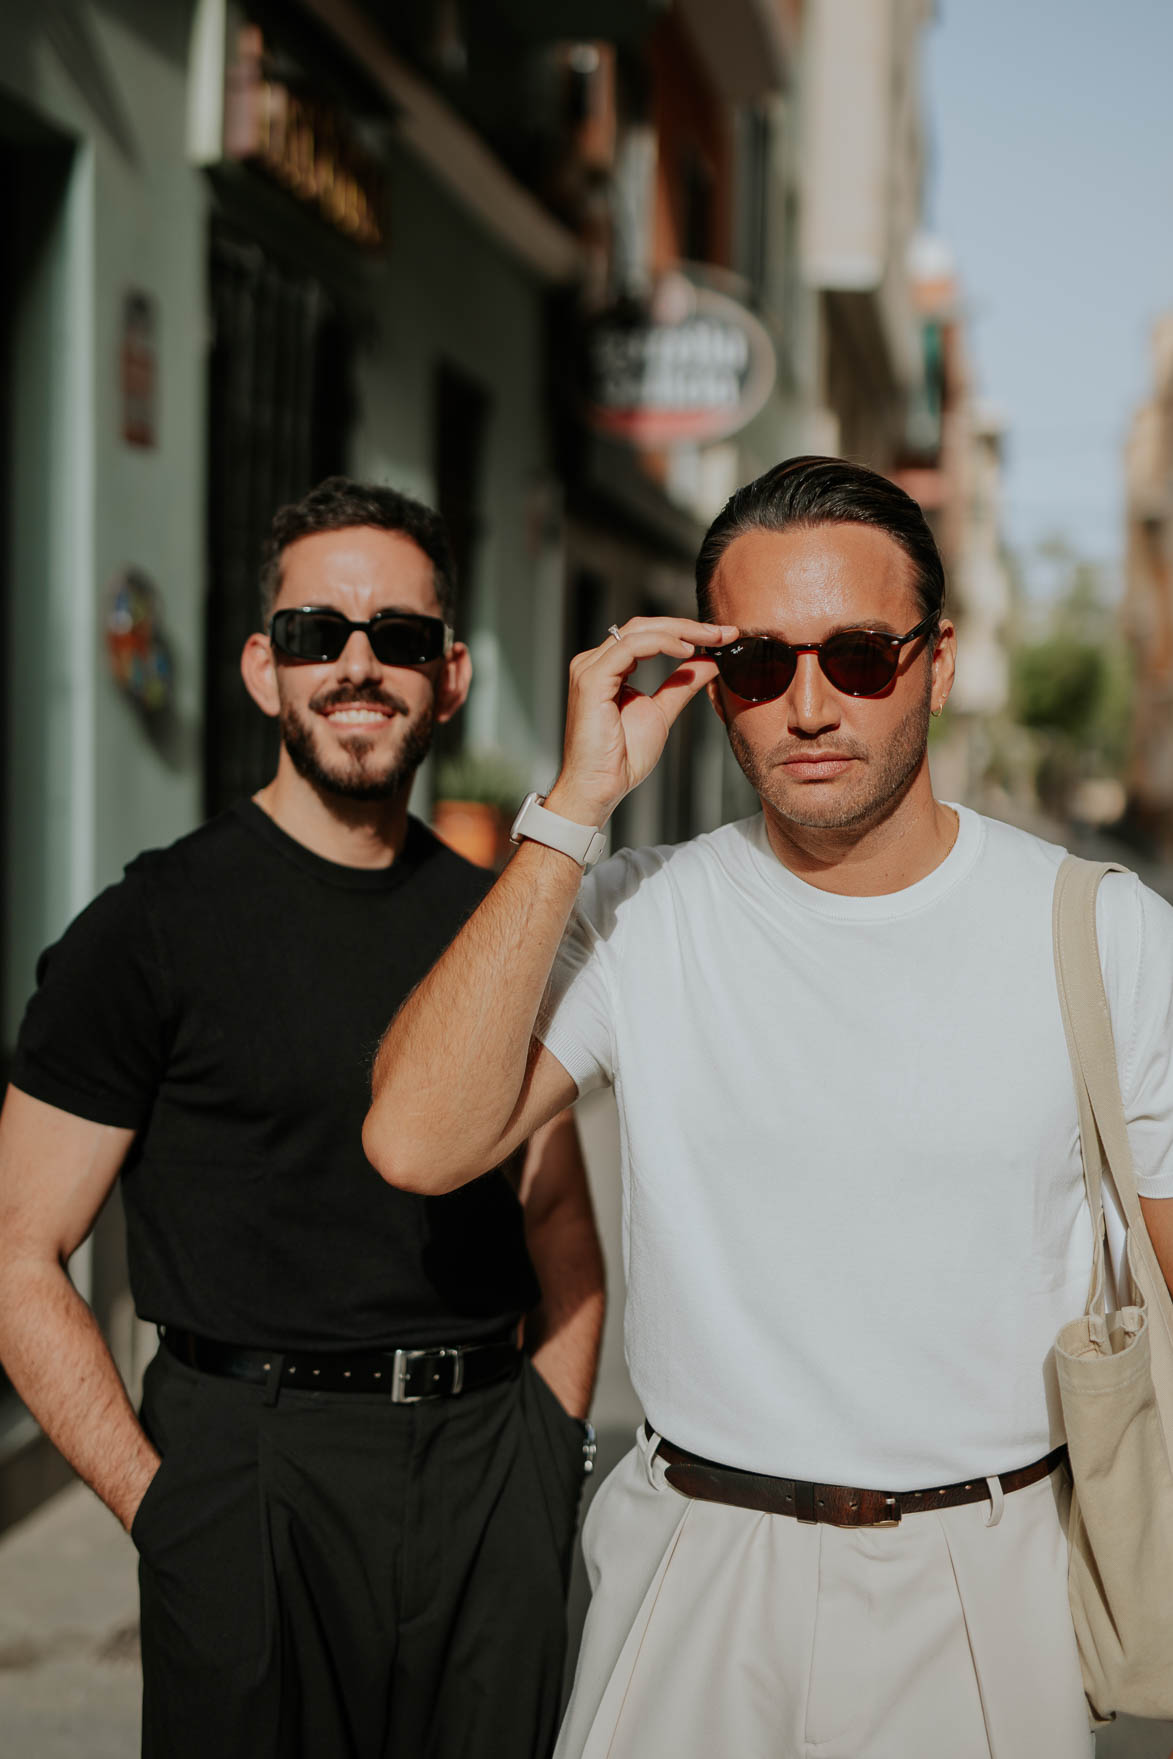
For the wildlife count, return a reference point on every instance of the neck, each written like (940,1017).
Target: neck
(354,833)
(904,843)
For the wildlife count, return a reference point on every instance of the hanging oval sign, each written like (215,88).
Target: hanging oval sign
(690,367)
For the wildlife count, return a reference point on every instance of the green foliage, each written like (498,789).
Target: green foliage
(484,776)
(1071,685)
(1059,684)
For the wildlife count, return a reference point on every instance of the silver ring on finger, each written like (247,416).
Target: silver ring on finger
(614,632)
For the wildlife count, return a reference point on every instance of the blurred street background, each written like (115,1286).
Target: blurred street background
(570,271)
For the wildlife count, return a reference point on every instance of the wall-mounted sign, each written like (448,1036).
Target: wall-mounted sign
(137,373)
(689,367)
(137,648)
(274,121)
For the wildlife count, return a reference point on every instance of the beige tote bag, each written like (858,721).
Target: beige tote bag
(1115,1369)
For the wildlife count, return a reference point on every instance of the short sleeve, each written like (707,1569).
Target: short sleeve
(574,1022)
(576,1019)
(95,1035)
(1135,929)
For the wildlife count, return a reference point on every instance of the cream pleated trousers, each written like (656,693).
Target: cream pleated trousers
(720,1633)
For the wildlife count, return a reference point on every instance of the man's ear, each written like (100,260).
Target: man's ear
(943,664)
(453,682)
(258,668)
(713,691)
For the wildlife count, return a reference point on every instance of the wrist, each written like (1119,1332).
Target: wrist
(126,1505)
(567,802)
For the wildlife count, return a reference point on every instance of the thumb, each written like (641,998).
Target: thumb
(678,690)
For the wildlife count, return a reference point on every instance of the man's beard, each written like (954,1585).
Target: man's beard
(883,778)
(359,779)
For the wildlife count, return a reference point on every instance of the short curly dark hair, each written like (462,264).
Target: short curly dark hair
(809,491)
(338,503)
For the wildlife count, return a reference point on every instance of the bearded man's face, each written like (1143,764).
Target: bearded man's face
(355,727)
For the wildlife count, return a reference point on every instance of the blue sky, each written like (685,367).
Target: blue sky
(1051,175)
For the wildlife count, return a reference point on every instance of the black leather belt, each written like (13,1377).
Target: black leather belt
(840,1505)
(403,1376)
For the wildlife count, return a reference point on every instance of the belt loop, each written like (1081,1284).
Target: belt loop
(649,1443)
(997,1502)
(273,1369)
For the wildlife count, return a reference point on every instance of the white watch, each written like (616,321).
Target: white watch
(583,843)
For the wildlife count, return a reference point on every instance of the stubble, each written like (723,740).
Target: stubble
(880,779)
(358,774)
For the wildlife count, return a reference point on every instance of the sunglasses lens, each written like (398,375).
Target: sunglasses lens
(859,663)
(309,635)
(758,669)
(322,635)
(407,641)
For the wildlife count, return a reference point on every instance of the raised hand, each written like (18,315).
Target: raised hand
(614,733)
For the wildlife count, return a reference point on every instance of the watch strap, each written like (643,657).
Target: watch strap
(583,843)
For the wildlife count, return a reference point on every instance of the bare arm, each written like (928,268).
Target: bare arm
(1158,1219)
(459,1082)
(563,1333)
(56,1171)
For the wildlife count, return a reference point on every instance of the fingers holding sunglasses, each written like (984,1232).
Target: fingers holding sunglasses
(645,638)
(615,734)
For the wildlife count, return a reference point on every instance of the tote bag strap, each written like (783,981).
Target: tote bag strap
(1087,1024)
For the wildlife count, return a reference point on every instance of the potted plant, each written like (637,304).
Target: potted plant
(477,795)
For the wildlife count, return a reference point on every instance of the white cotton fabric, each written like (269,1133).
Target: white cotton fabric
(854,1216)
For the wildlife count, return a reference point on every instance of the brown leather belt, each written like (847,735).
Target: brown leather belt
(841,1505)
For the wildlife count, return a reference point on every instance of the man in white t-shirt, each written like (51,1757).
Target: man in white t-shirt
(853,1203)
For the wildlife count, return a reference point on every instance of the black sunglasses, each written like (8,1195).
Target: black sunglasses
(858,662)
(397,638)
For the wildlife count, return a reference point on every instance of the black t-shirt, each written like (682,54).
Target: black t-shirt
(225,1000)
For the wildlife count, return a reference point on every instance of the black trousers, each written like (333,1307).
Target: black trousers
(335,1577)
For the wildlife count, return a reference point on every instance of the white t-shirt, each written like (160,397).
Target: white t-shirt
(854,1215)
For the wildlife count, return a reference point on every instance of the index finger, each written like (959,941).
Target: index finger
(678,629)
(647,638)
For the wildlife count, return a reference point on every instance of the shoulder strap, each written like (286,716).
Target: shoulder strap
(1087,1023)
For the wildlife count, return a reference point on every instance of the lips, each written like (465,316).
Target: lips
(353,715)
(350,711)
(817,767)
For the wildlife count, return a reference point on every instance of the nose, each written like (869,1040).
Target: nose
(813,704)
(357,660)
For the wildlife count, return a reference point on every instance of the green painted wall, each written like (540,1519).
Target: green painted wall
(87,787)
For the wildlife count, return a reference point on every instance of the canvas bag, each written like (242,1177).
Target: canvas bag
(1115,1369)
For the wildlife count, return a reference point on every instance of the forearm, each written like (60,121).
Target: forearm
(451,1073)
(563,1333)
(455,1087)
(1158,1218)
(54,1354)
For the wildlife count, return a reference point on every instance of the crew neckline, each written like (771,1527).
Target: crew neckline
(337,873)
(875,907)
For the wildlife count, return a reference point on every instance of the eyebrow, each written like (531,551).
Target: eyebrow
(383,611)
(880,626)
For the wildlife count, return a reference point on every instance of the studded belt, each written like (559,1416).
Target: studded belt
(403,1376)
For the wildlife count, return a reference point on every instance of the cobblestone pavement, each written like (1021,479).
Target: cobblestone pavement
(69,1674)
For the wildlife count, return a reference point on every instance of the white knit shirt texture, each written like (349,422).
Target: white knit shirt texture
(854,1215)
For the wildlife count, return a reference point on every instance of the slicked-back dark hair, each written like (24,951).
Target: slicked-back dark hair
(337,504)
(803,492)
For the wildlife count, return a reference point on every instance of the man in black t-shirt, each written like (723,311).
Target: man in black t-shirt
(353,1495)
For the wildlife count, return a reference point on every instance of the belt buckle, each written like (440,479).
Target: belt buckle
(401,1364)
(892,1502)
